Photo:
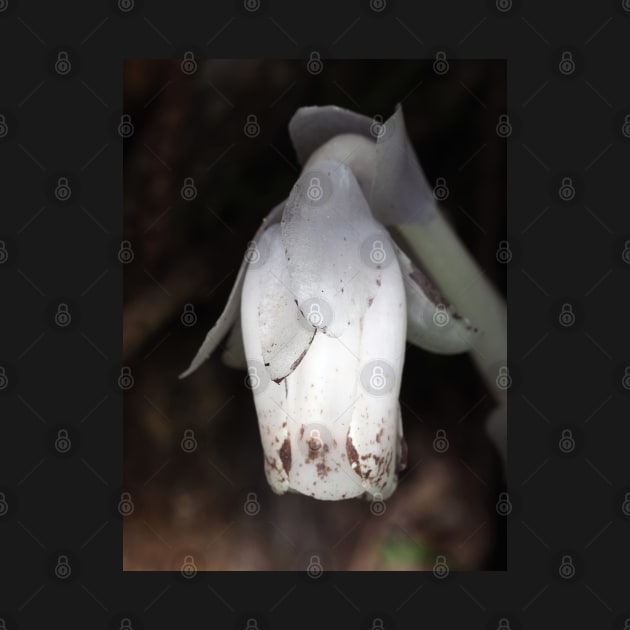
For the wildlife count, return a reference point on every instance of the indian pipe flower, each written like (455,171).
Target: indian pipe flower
(327,301)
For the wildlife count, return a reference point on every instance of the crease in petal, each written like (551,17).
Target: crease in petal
(285,336)
(432,323)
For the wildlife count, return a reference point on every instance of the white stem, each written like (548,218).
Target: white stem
(463,284)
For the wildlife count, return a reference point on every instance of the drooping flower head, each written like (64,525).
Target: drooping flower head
(327,302)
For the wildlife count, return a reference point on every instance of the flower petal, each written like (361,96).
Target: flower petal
(228,316)
(335,250)
(285,335)
(432,324)
(303,420)
(400,192)
(234,354)
(326,431)
(374,439)
(310,127)
(396,188)
(268,395)
(319,403)
(344,424)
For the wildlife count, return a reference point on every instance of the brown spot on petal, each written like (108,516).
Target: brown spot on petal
(322,470)
(431,291)
(314,444)
(353,456)
(285,454)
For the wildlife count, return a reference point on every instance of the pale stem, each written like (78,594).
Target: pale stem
(459,278)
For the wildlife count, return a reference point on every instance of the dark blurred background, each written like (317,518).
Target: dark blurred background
(197,184)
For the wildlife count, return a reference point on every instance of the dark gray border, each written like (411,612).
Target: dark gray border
(566,252)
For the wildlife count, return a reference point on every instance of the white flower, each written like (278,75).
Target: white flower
(327,302)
